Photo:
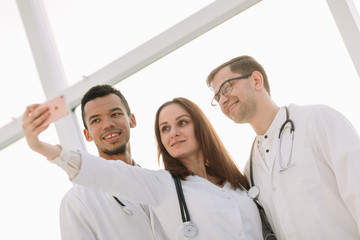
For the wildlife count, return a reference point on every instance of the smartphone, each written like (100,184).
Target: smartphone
(58,109)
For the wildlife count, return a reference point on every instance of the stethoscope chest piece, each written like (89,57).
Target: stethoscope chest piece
(124,207)
(127,210)
(189,230)
(254,192)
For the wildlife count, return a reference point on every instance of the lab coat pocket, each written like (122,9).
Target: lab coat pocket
(303,175)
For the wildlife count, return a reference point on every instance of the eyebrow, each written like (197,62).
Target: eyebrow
(93,116)
(116,109)
(111,110)
(184,115)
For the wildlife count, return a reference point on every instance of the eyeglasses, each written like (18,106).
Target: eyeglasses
(226,88)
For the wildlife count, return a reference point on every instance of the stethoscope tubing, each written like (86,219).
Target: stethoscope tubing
(282,128)
(184,210)
(189,229)
(123,206)
(254,191)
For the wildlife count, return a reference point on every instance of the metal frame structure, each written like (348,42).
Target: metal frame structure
(53,78)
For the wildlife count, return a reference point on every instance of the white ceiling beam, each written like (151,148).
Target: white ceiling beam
(50,71)
(142,56)
(159,46)
(348,22)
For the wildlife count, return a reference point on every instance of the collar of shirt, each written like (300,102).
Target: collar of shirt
(134,163)
(264,142)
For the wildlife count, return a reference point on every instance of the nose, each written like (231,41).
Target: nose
(108,123)
(174,132)
(223,100)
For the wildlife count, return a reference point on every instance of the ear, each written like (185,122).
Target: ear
(87,135)
(259,80)
(132,121)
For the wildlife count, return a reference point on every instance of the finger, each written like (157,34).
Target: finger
(28,115)
(38,130)
(39,117)
(38,111)
(35,113)
(34,117)
(29,110)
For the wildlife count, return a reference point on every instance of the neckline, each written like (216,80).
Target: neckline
(196,178)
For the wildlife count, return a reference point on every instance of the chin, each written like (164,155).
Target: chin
(177,155)
(236,119)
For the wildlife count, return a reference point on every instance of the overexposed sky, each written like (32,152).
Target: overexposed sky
(297,42)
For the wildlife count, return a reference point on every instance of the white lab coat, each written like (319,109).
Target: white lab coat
(218,213)
(89,214)
(318,197)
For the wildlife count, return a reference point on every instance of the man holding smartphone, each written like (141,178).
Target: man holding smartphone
(90,214)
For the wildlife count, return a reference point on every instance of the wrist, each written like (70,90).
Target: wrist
(48,150)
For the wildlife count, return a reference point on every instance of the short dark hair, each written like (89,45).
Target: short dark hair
(242,65)
(101,91)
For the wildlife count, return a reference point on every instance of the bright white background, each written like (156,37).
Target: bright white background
(297,42)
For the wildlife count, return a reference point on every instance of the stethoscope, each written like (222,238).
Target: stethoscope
(284,126)
(254,191)
(189,229)
(123,207)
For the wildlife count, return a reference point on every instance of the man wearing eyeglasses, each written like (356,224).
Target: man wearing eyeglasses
(305,159)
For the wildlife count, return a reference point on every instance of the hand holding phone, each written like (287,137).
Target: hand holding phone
(58,109)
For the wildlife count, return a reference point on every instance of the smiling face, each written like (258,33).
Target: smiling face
(239,105)
(178,134)
(108,125)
